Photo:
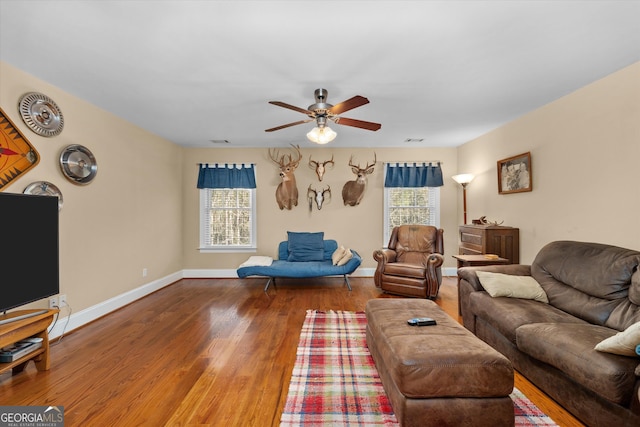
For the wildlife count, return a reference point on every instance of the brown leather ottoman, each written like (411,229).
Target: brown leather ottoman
(440,375)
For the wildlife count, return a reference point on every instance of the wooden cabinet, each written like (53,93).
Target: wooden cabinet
(490,239)
(34,326)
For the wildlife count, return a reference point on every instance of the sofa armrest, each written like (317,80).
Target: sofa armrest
(469,273)
(469,283)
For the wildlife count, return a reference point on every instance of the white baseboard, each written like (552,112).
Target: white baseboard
(450,271)
(209,274)
(225,274)
(76,320)
(221,274)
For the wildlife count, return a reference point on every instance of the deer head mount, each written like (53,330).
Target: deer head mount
(320,167)
(353,191)
(287,191)
(318,196)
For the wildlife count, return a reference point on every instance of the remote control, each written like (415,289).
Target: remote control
(421,321)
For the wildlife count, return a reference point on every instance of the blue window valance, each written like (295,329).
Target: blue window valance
(413,175)
(226,176)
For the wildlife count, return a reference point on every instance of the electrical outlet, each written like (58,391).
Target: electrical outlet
(53,302)
(144,272)
(63,300)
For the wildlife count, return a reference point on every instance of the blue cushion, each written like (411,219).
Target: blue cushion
(306,246)
(301,269)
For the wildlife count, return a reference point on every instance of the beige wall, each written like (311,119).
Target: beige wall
(127,219)
(141,211)
(585,155)
(357,227)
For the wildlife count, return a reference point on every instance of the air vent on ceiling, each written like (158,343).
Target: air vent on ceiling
(414,140)
(219,141)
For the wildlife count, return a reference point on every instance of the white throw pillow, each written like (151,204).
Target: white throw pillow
(257,260)
(623,343)
(338,254)
(508,285)
(345,259)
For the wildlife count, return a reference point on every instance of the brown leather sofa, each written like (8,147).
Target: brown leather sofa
(594,293)
(410,265)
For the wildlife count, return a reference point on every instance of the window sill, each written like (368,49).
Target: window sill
(228,249)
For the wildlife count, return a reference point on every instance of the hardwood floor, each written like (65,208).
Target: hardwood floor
(200,351)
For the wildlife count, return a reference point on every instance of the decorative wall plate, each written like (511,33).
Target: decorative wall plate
(78,164)
(41,114)
(44,188)
(17,155)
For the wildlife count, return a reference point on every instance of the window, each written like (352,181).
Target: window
(411,195)
(227,219)
(227,207)
(404,205)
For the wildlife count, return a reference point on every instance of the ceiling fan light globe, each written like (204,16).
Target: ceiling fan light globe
(322,135)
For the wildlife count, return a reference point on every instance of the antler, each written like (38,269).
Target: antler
(329,161)
(274,157)
(296,162)
(277,158)
(372,164)
(351,163)
(369,166)
(328,190)
(313,163)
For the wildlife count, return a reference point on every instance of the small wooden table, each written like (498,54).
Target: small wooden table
(34,326)
(476,261)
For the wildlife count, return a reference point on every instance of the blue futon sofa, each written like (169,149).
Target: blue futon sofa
(304,255)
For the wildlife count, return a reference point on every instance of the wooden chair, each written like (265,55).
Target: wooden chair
(410,265)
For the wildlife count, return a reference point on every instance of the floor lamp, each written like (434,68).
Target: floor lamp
(464,179)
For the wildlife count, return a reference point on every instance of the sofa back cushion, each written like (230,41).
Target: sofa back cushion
(304,246)
(329,245)
(591,281)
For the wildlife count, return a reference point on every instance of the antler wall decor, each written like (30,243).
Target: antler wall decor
(320,167)
(353,191)
(287,191)
(318,196)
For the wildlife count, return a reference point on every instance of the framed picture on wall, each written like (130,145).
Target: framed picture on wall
(514,174)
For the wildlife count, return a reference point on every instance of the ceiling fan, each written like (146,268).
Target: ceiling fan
(321,111)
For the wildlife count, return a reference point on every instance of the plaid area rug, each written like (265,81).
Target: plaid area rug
(335,381)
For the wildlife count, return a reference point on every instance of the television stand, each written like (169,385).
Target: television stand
(30,323)
(8,318)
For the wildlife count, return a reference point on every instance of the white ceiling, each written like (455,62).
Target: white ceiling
(196,71)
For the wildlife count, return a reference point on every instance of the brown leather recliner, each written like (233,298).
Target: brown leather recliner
(410,266)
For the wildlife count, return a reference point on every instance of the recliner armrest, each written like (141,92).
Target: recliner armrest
(384,255)
(435,260)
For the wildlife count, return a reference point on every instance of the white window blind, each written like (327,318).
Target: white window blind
(227,219)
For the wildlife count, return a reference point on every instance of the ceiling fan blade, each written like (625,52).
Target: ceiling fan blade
(349,104)
(292,107)
(357,123)
(288,125)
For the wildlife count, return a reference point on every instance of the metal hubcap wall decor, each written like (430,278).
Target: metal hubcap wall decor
(41,114)
(78,164)
(44,188)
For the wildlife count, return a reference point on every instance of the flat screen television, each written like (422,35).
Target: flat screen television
(29,258)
